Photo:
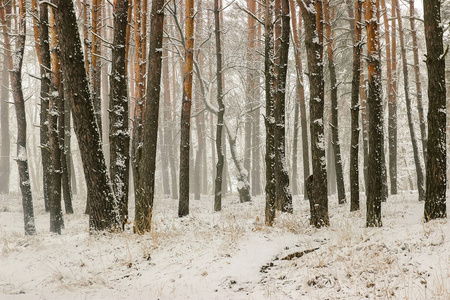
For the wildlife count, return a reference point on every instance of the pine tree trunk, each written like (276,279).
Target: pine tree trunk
(417,160)
(436,177)
(183,208)
(334,106)
(355,106)
(119,135)
(102,201)
(144,205)
(270,114)
(423,131)
(19,104)
(391,133)
(364,123)
(284,195)
(96,63)
(375,182)
(314,46)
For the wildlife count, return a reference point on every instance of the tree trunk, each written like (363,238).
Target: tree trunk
(313,19)
(183,208)
(423,131)
(436,177)
(392,107)
(144,205)
(354,145)
(334,106)
(96,63)
(417,161)
(119,135)
(19,104)
(364,122)
(102,203)
(301,94)
(270,114)
(220,158)
(284,195)
(375,183)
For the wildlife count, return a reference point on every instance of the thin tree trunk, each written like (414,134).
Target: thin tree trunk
(355,106)
(436,177)
(423,131)
(96,63)
(220,158)
(334,106)
(417,161)
(183,208)
(392,106)
(102,203)
(119,135)
(19,104)
(364,123)
(270,114)
(144,205)
(313,19)
(375,193)
(284,195)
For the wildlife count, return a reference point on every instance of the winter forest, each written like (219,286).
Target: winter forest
(224,149)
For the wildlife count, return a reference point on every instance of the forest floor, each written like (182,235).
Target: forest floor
(229,255)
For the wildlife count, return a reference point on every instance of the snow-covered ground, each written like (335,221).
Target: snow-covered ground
(229,255)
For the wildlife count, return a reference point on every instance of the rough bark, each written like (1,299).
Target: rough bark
(54,119)
(119,135)
(355,106)
(219,127)
(284,195)
(96,63)
(19,104)
(183,208)
(334,105)
(417,160)
(270,114)
(313,19)
(144,205)
(374,101)
(436,177)
(102,203)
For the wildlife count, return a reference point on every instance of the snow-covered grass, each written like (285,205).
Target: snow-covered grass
(229,255)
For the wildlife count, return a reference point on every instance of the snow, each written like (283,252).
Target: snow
(228,255)
(21,153)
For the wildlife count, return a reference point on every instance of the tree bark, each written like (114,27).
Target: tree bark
(423,131)
(19,104)
(96,63)
(375,183)
(417,160)
(144,205)
(436,177)
(284,195)
(355,106)
(391,133)
(119,134)
(334,105)
(219,127)
(313,19)
(392,106)
(102,203)
(183,208)
(270,114)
